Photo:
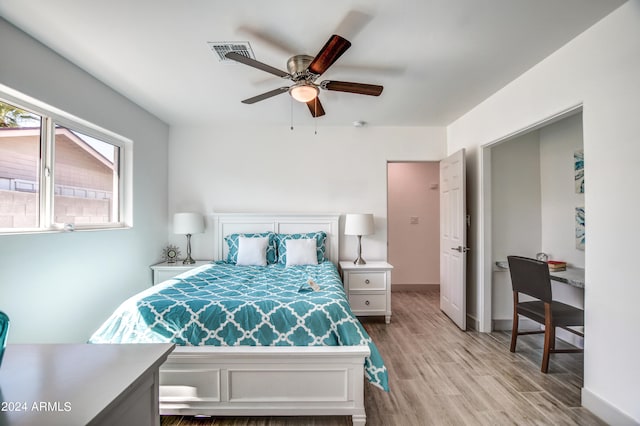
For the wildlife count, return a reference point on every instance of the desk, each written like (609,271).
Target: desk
(81,384)
(572,276)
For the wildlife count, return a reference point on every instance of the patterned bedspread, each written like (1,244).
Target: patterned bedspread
(227,305)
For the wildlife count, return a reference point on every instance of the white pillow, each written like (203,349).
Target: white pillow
(301,252)
(252,251)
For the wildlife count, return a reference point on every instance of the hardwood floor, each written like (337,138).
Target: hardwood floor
(440,375)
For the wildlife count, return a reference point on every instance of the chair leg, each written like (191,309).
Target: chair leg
(514,331)
(549,338)
(547,349)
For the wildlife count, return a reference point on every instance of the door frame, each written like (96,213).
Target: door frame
(485,272)
(404,286)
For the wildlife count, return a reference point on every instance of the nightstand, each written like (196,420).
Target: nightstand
(163,271)
(368,288)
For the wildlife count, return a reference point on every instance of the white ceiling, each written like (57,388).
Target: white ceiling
(435,58)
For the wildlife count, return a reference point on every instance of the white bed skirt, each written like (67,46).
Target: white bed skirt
(264,381)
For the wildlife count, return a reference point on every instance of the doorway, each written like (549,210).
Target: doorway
(413,215)
(528,206)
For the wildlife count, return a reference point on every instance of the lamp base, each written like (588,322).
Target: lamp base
(189,260)
(359,260)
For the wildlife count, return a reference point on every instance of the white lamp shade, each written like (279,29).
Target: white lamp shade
(358,224)
(188,223)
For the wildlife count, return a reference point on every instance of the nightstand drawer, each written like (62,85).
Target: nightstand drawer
(163,275)
(368,302)
(367,281)
(164,271)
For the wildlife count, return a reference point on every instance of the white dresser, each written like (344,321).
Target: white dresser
(368,288)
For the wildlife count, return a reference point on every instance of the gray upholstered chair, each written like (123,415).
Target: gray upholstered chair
(531,277)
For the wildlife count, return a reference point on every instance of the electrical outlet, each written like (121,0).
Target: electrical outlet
(413,220)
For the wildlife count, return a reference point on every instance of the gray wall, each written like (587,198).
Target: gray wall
(59,287)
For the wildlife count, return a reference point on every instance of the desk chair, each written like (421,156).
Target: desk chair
(531,277)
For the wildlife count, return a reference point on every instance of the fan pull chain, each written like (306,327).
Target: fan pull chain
(315,118)
(291,103)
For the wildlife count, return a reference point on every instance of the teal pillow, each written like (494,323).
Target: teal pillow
(320,237)
(233,239)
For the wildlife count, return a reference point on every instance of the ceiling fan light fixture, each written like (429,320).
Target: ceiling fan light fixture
(303,92)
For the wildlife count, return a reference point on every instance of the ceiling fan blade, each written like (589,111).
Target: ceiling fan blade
(266,95)
(315,107)
(359,88)
(330,52)
(353,23)
(256,64)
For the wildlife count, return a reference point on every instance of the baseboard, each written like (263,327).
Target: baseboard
(570,338)
(525,324)
(506,324)
(605,411)
(472,323)
(422,288)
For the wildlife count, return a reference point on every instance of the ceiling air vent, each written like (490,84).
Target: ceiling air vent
(221,48)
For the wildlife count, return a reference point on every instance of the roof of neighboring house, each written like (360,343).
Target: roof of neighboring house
(60,132)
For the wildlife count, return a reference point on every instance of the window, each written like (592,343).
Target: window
(85,179)
(19,168)
(57,171)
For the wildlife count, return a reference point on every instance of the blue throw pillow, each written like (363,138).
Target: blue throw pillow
(320,237)
(233,239)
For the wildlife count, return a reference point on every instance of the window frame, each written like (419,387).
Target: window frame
(50,117)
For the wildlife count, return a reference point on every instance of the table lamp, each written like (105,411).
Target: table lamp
(359,224)
(188,223)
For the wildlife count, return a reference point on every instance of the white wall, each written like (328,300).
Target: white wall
(515,178)
(516,220)
(558,142)
(275,169)
(599,69)
(59,287)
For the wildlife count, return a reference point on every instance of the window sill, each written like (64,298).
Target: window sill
(64,231)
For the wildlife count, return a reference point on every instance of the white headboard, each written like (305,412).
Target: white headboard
(230,223)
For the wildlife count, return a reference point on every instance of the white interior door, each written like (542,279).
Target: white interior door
(453,239)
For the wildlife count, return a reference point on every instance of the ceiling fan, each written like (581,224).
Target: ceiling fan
(304,70)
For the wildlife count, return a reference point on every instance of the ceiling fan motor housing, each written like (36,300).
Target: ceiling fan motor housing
(297,66)
(304,70)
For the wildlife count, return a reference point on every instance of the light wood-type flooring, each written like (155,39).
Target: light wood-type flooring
(440,375)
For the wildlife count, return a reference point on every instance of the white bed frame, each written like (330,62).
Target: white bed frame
(267,380)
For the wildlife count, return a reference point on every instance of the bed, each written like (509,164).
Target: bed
(256,340)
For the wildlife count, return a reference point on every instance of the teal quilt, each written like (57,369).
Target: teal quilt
(227,305)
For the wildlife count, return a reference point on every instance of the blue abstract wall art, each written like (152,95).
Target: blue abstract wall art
(578,161)
(580,228)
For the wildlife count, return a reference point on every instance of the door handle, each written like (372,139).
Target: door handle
(461,249)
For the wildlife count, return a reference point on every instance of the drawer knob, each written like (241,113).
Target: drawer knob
(367,281)
(366,302)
